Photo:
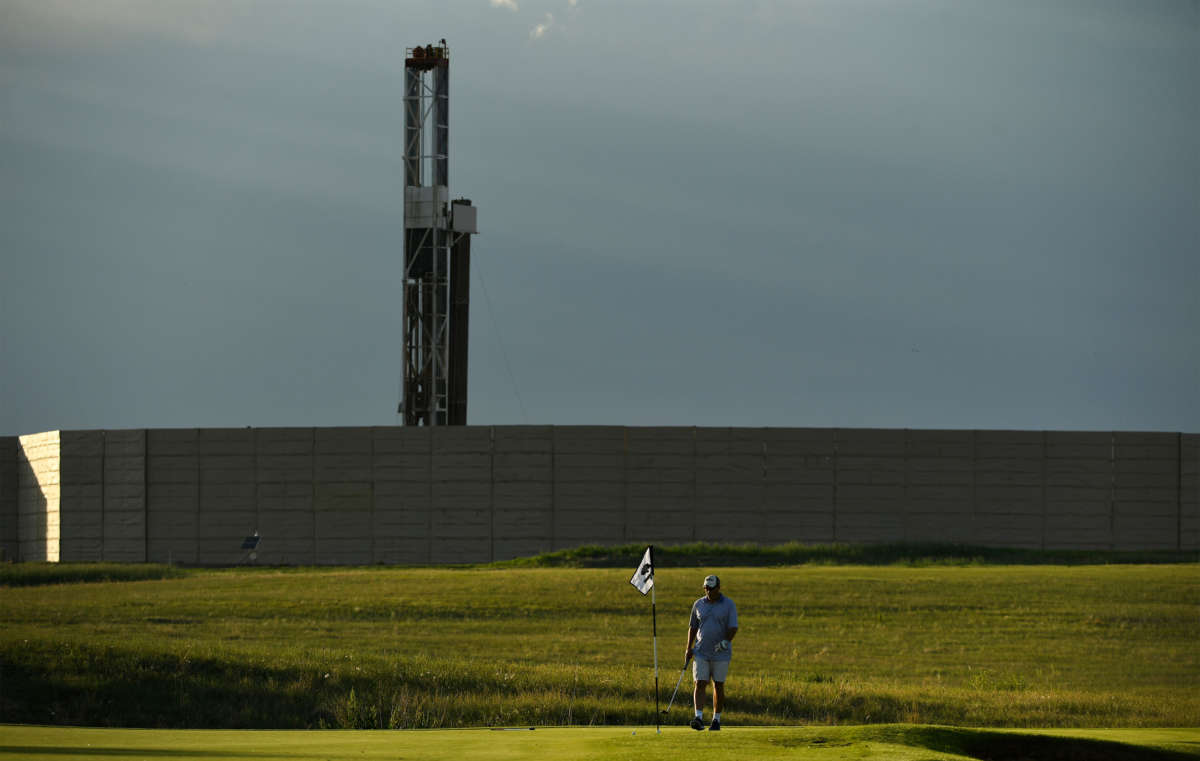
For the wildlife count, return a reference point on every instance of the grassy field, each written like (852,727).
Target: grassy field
(977,645)
(891,742)
(697,554)
(797,553)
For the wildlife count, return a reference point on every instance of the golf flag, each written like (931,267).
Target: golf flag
(643,577)
(643,581)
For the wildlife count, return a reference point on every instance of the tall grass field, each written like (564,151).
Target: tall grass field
(974,645)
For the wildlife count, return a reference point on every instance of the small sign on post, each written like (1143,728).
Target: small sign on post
(250,548)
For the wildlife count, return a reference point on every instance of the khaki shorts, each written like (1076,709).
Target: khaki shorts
(704,670)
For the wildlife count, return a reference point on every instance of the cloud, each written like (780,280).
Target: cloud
(509,4)
(539,31)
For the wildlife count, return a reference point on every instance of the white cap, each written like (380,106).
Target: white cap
(711,582)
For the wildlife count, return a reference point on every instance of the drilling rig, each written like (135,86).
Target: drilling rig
(437,250)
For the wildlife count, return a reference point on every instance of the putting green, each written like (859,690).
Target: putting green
(608,743)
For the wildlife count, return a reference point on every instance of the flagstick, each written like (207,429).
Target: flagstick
(654,619)
(643,579)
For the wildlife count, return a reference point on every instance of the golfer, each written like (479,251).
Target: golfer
(712,625)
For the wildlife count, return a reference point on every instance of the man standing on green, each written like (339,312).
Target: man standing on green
(711,627)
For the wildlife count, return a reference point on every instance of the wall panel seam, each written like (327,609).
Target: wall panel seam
(146,495)
(1179,491)
(103,497)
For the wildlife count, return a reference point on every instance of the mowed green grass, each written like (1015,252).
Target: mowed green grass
(892,742)
(1001,646)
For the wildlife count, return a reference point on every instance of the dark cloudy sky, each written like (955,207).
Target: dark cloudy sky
(902,213)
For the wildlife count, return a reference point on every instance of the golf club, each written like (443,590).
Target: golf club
(678,682)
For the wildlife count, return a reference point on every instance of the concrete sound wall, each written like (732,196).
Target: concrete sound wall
(469,494)
(9,486)
(1189,492)
(103,496)
(522,489)
(38,479)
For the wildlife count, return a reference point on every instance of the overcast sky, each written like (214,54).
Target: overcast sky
(909,213)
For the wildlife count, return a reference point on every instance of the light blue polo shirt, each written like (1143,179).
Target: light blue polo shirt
(712,619)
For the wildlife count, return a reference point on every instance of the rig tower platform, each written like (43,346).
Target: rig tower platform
(437,250)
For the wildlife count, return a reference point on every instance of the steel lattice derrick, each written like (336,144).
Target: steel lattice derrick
(436,263)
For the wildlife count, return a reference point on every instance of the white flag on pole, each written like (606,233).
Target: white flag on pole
(643,577)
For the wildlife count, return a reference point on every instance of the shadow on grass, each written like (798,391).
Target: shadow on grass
(849,706)
(37,574)
(105,687)
(1011,746)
